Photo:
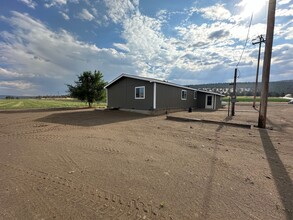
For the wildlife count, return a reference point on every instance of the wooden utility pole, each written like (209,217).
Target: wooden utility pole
(267,64)
(261,40)
(233,99)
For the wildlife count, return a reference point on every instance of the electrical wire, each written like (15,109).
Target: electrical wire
(246,40)
(239,73)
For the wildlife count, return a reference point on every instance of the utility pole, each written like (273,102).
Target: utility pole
(261,40)
(267,64)
(233,99)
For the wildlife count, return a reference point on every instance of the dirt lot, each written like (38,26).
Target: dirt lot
(96,164)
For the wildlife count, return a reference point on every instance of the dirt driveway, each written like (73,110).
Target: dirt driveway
(95,164)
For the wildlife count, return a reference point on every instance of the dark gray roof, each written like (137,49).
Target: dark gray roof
(157,81)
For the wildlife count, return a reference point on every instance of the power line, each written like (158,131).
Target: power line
(239,73)
(246,40)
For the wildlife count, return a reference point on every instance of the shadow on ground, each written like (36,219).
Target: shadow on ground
(90,118)
(207,198)
(280,175)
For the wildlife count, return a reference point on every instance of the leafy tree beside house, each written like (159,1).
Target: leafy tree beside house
(89,87)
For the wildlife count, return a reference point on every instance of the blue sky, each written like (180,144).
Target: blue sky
(46,44)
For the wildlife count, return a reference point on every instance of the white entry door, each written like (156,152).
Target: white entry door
(209,101)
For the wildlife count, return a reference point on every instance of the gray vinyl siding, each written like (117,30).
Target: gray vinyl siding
(169,97)
(201,99)
(219,102)
(121,94)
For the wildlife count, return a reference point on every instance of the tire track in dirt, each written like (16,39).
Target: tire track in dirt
(61,198)
(59,139)
(29,131)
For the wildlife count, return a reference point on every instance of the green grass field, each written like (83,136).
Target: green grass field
(9,104)
(250,99)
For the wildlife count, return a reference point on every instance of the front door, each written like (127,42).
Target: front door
(209,102)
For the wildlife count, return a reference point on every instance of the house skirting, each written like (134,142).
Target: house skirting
(153,112)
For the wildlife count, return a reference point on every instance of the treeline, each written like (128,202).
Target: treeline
(52,97)
(11,97)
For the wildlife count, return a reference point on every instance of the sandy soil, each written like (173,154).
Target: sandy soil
(96,164)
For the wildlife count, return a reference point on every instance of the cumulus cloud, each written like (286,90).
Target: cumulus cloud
(119,10)
(219,34)
(42,55)
(282,64)
(197,48)
(85,15)
(194,52)
(21,85)
(151,51)
(214,12)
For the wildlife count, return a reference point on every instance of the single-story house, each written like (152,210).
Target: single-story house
(154,96)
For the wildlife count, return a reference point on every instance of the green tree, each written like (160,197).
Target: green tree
(89,87)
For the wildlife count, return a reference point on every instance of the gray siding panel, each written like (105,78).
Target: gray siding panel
(169,97)
(122,94)
(201,100)
(219,102)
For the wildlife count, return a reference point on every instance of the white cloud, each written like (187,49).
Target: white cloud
(286,12)
(121,47)
(215,12)
(288,33)
(52,59)
(194,53)
(85,15)
(55,3)
(282,58)
(95,11)
(21,85)
(7,73)
(64,15)
(162,15)
(148,47)
(119,10)
(283,2)
(29,3)
(249,8)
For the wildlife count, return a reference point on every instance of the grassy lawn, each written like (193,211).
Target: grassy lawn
(8,104)
(250,99)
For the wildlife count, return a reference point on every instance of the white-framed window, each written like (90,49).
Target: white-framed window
(139,92)
(183,94)
(195,95)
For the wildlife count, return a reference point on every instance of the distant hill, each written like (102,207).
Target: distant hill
(276,89)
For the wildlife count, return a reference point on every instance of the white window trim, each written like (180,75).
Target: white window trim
(155,96)
(195,93)
(181,94)
(143,92)
(212,104)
